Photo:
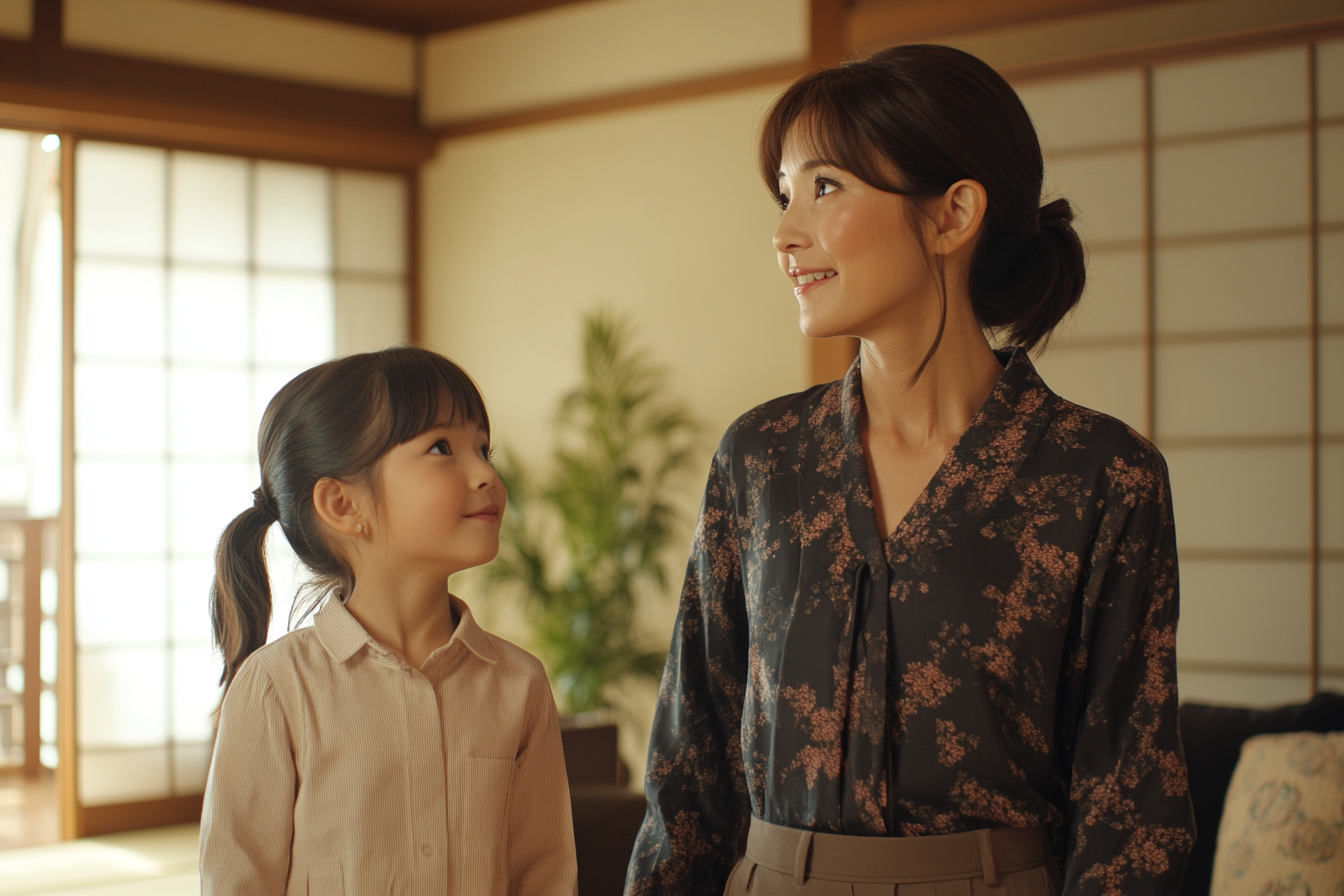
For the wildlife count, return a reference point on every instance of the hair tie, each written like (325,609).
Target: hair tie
(262,503)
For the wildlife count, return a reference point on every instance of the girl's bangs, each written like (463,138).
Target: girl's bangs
(418,383)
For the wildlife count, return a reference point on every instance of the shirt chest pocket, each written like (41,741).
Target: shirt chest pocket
(316,879)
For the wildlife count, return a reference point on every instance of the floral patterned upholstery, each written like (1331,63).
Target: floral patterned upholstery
(1282,832)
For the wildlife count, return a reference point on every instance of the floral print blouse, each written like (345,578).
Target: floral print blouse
(1005,659)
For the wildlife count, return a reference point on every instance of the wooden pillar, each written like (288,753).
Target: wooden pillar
(32,647)
(830,357)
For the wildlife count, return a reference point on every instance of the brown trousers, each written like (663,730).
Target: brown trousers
(788,862)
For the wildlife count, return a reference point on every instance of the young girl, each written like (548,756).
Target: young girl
(394,747)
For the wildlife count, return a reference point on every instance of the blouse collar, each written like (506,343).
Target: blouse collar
(343,636)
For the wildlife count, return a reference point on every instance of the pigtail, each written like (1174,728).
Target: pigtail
(240,599)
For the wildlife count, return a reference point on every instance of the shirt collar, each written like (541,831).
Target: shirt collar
(343,636)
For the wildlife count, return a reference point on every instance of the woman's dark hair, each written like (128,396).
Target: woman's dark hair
(336,420)
(913,121)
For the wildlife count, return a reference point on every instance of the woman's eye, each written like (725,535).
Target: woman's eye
(440,447)
(782,201)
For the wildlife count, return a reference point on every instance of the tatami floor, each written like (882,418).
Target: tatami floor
(156,862)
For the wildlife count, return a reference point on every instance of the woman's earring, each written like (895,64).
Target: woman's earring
(360,528)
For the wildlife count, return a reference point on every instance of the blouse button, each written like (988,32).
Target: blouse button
(426,850)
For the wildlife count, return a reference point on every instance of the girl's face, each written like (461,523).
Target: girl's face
(441,501)
(849,248)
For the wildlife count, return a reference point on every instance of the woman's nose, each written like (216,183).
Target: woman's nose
(788,235)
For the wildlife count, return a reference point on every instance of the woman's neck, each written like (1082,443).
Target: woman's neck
(409,614)
(940,404)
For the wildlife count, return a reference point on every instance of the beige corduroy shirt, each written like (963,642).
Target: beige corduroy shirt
(340,769)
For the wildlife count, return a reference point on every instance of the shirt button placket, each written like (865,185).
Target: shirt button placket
(429,792)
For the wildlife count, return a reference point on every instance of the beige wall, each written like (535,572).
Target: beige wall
(657,212)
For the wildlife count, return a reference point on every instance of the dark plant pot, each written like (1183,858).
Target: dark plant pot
(607,813)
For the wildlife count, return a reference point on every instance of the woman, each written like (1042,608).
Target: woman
(928,627)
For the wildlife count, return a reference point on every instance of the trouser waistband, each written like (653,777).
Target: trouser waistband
(985,853)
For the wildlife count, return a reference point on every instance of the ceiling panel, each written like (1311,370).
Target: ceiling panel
(409,16)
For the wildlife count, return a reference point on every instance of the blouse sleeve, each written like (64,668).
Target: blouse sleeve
(695,783)
(247,822)
(541,829)
(1130,825)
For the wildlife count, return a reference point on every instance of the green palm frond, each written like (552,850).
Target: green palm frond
(587,545)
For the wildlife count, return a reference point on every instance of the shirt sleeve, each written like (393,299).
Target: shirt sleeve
(541,823)
(247,823)
(695,783)
(1131,825)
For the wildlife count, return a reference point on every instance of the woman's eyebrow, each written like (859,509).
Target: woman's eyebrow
(815,163)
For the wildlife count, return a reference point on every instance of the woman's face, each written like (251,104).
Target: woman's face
(849,248)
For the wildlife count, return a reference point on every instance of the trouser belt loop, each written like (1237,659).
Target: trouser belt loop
(800,860)
(987,857)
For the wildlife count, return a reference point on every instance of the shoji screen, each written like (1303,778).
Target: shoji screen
(1207,327)
(202,284)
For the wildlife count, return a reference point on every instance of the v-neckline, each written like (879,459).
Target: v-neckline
(999,395)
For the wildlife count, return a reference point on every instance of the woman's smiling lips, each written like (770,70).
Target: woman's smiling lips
(487,514)
(807,279)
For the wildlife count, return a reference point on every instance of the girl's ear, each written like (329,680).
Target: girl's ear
(959,214)
(340,506)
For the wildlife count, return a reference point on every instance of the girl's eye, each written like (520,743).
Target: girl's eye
(488,452)
(782,201)
(441,447)
(824,187)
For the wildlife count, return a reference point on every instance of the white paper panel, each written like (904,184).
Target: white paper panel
(1332,384)
(209,412)
(123,776)
(370,222)
(119,200)
(119,408)
(195,692)
(1332,497)
(1240,497)
(191,581)
(1229,689)
(266,383)
(209,208)
(1242,184)
(205,498)
(209,314)
(1255,387)
(1332,613)
(1225,92)
(123,697)
(121,602)
(1107,379)
(293,216)
(191,765)
(1235,285)
(121,507)
(294,319)
(1106,192)
(119,310)
(369,315)
(1088,111)
(1330,78)
(1244,611)
(1112,304)
(1330,175)
(1330,282)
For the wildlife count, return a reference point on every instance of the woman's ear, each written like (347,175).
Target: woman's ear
(339,505)
(959,215)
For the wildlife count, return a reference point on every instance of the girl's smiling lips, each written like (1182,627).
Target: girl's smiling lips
(488,514)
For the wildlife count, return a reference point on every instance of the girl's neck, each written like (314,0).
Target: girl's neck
(940,405)
(408,614)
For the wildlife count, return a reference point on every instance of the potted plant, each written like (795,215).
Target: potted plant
(585,545)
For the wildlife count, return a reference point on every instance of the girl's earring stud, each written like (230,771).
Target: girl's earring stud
(360,528)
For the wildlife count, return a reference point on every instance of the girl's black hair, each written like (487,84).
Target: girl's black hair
(335,420)
(934,115)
